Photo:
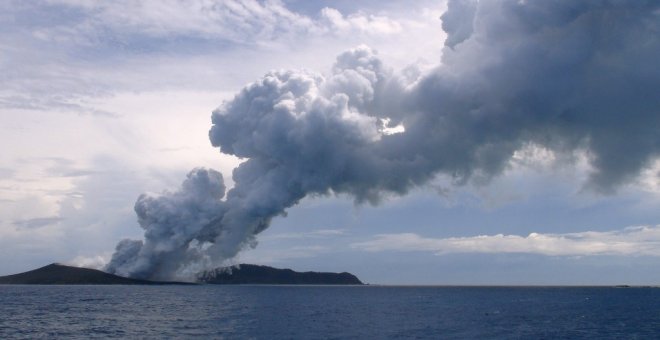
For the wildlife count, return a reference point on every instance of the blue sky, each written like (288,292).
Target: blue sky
(103,101)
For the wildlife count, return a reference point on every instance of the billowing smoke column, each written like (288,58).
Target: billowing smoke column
(564,75)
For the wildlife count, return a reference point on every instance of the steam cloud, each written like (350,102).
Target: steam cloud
(564,75)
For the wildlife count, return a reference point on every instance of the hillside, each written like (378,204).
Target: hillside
(255,274)
(57,274)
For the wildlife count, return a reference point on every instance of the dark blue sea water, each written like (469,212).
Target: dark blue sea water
(313,312)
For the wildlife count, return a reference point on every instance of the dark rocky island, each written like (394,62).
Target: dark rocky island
(58,274)
(255,274)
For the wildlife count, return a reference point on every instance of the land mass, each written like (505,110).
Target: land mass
(255,274)
(58,274)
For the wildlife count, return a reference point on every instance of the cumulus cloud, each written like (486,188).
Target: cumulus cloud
(643,240)
(562,76)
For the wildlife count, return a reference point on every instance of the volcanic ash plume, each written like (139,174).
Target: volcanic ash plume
(171,222)
(565,76)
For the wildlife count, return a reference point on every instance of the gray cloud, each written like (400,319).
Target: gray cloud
(51,102)
(6,173)
(564,76)
(67,168)
(322,233)
(37,222)
(60,167)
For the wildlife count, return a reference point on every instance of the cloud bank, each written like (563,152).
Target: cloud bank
(563,76)
(629,241)
(231,21)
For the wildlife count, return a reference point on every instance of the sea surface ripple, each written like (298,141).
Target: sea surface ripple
(328,312)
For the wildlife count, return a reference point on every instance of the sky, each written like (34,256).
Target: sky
(499,142)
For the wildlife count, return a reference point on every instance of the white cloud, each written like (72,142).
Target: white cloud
(91,49)
(333,20)
(244,22)
(643,240)
(94,261)
(650,178)
(322,233)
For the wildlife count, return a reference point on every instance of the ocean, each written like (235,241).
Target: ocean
(328,312)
